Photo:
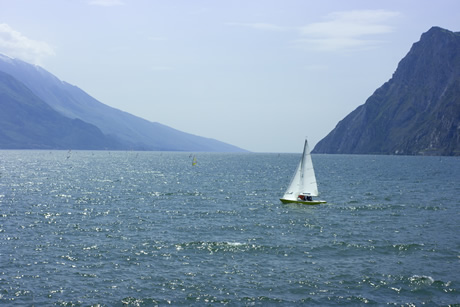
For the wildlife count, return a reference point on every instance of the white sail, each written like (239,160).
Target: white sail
(304,180)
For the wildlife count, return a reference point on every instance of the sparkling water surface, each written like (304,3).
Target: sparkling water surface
(148,228)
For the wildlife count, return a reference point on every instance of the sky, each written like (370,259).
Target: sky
(259,74)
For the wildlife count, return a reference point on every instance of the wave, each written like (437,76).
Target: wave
(421,280)
(219,246)
(206,299)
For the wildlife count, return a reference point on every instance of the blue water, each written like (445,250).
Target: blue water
(145,228)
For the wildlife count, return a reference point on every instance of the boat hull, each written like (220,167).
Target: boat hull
(303,202)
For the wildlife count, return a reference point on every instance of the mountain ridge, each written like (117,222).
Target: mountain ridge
(26,122)
(416,112)
(132,131)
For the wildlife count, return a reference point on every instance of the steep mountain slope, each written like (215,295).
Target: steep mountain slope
(416,112)
(133,132)
(26,122)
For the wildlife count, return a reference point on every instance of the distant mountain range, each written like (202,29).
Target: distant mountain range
(40,111)
(28,122)
(417,112)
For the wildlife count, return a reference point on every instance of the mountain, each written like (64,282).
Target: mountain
(130,131)
(26,122)
(416,112)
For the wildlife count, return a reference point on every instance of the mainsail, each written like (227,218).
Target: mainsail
(304,181)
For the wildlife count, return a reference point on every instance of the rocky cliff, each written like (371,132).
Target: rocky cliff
(416,112)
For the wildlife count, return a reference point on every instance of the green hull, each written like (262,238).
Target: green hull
(303,202)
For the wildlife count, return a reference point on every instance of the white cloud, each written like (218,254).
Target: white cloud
(14,44)
(347,30)
(340,31)
(258,26)
(106,2)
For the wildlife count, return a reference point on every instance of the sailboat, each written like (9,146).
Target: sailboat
(303,185)
(194,161)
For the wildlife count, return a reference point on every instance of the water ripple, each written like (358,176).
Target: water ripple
(142,229)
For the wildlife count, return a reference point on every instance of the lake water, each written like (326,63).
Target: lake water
(148,228)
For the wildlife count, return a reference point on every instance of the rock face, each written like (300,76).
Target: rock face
(130,132)
(417,112)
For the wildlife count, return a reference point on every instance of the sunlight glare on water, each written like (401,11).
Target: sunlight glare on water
(146,228)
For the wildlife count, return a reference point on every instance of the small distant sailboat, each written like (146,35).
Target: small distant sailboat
(194,161)
(303,184)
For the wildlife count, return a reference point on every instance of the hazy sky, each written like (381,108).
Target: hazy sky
(258,74)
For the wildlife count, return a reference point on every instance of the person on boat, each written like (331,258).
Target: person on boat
(304,198)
